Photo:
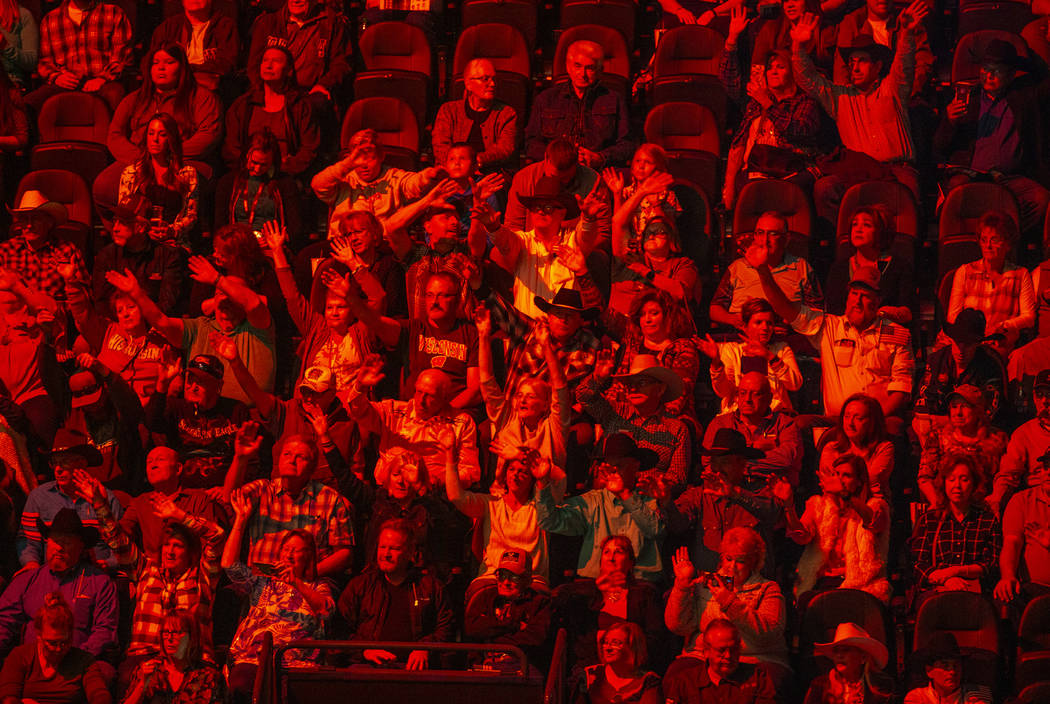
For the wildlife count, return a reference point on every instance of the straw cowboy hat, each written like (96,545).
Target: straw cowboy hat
(35,201)
(853,635)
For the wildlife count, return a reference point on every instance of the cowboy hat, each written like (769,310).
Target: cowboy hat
(853,635)
(67,522)
(548,191)
(968,328)
(1002,52)
(867,44)
(728,441)
(566,299)
(647,365)
(941,646)
(618,446)
(75,442)
(34,201)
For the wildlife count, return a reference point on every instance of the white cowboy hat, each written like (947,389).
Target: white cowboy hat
(853,635)
(647,365)
(33,201)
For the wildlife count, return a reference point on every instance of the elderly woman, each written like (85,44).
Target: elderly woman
(179,674)
(755,352)
(968,432)
(737,592)
(620,677)
(965,521)
(845,531)
(587,608)
(290,602)
(861,431)
(50,669)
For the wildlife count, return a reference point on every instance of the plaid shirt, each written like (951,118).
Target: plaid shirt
(39,267)
(1007,300)
(941,541)
(157,593)
(100,47)
(318,509)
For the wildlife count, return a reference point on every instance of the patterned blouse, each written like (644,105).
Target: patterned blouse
(201,685)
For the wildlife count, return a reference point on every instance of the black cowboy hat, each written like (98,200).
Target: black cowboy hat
(728,441)
(867,43)
(568,299)
(549,191)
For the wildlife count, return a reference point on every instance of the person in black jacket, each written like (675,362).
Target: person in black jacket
(392,601)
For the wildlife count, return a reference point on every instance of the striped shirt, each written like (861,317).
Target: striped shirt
(42,504)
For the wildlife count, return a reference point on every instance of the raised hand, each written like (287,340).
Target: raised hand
(613,178)
(241,505)
(571,257)
(483,320)
(684,571)
(593,204)
(757,253)
(170,369)
(912,17)
(337,284)
(604,362)
(488,186)
(485,214)
(737,23)
(274,235)
(657,183)
(370,372)
(316,416)
(781,490)
(445,439)
(203,270)
(123,282)
(248,439)
(224,346)
(87,486)
(343,252)
(506,450)
(805,29)
(446,188)
(541,331)
(708,346)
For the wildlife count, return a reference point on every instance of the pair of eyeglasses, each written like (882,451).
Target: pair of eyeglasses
(508,576)
(547,209)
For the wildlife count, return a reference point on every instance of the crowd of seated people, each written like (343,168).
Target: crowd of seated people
(268,373)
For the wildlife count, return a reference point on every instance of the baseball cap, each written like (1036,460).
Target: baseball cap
(970,394)
(1042,379)
(317,379)
(516,562)
(207,364)
(867,277)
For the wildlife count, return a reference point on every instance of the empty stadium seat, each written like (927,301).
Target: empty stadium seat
(690,136)
(973,620)
(616,70)
(1005,15)
(685,68)
(73,128)
(616,14)
(758,196)
(505,47)
(957,225)
(520,14)
(396,123)
(1033,643)
(399,63)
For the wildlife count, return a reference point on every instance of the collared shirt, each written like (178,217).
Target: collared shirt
(598,514)
(157,593)
(1006,299)
(98,47)
(42,505)
(598,121)
(1025,516)
(782,371)
(538,272)
(38,267)
(941,540)
(874,122)
(748,684)
(1020,466)
(401,422)
(317,509)
(852,360)
(660,432)
(998,145)
(793,275)
(966,694)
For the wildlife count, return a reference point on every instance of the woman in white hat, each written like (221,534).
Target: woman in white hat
(855,676)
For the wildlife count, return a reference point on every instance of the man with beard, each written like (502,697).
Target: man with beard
(1025,462)
(393,601)
(861,351)
(66,570)
(35,250)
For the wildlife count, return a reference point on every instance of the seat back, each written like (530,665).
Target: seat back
(1033,632)
(1038,693)
(392,118)
(977,15)
(74,117)
(696,228)
(966,58)
(688,50)
(892,197)
(960,213)
(761,195)
(501,44)
(616,69)
(396,46)
(617,14)
(516,13)
(63,187)
(969,616)
(683,127)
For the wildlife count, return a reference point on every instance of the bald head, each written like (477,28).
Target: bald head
(754,394)
(583,63)
(163,469)
(433,391)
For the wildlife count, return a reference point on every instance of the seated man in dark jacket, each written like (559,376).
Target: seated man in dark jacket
(511,614)
(394,602)
(996,130)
